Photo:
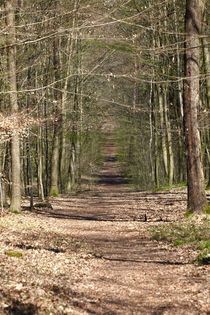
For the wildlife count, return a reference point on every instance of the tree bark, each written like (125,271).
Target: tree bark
(169,138)
(15,204)
(180,87)
(156,146)
(69,67)
(196,189)
(151,130)
(54,190)
(162,126)
(206,55)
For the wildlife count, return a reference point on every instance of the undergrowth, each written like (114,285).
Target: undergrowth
(194,232)
(179,185)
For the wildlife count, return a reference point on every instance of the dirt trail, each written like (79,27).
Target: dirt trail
(129,274)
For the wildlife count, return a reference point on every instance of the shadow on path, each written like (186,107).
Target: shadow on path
(129,273)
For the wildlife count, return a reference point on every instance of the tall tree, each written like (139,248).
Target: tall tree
(196,189)
(54,190)
(15,145)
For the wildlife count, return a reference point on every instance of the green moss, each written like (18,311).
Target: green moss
(14,254)
(54,193)
(15,211)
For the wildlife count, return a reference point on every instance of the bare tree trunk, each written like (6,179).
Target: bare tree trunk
(169,138)
(30,170)
(54,190)
(41,188)
(63,152)
(156,144)
(15,204)
(28,145)
(151,130)
(196,189)
(74,167)
(6,172)
(206,55)
(39,146)
(180,88)
(162,126)
(69,66)
(208,158)
(1,195)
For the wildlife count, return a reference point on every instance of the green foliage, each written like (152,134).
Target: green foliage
(207,210)
(90,155)
(192,232)
(179,185)
(188,213)
(132,138)
(121,47)
(159,236)
(125,47)
(205,245)
(204,258)
(13,254)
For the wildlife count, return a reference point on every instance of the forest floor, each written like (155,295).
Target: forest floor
(91,253)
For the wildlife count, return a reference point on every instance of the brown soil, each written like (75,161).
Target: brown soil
(129,273)
(122,270)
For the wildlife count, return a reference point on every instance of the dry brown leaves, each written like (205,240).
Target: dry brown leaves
(91,253)
(38,265)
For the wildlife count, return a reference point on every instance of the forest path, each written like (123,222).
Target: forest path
(128,273)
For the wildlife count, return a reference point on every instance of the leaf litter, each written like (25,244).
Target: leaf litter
(92,253)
